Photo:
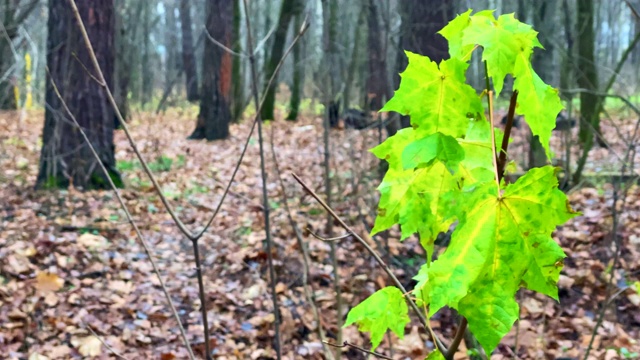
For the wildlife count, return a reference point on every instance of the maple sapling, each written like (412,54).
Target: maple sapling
(445,170)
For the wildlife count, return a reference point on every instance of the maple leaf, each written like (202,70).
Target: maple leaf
(46,281)
(501,243)
(87,346)
(413,197)
(537,101)
(435,96)
(384,309)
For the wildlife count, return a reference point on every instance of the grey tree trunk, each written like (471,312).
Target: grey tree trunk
(188,55)
(298,74)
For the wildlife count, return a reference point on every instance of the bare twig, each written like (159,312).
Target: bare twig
(309,293)
(462,326)
(146,246)
(111,350)
(265,199)
(328,239)
(373,253)
(222,46)
(502,161)
(347,344)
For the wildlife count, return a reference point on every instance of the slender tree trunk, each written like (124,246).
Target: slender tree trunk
(188,56)
(298,73)
(287,11)
(65,157)
(237,83)
(353,62)
(587,77)
(147,74)
(171,39)
(377,87)
(213,120)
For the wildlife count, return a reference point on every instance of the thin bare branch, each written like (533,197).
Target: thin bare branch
(309,293)
(347,344)
(146,246)
(111,350)
(222,46)
(328,239)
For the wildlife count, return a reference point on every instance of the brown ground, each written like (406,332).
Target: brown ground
(106,282)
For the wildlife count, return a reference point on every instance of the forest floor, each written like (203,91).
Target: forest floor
(71,266)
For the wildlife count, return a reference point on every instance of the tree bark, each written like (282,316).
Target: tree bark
(298,74)
(65,158)
(377,85)
(188,57)
(171,39)
(237,80)
(587,77)
(213,120)
(147,74)
(287,11)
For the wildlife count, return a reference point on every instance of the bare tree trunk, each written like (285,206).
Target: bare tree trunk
(353,62)
(171,39)
(188,57)
(213,120)
(587,77)
(65,158)
(237,83)
(287,11)
(147,74)
(298,74)
(377,87)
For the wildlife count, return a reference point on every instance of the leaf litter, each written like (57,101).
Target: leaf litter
(69,260)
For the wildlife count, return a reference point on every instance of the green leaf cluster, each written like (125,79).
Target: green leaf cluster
(441,173)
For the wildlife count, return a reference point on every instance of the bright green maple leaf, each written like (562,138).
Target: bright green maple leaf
(537,101)
(413,197)
(433,147)
(435,355)
(436,98)
(384,309)
(501,243)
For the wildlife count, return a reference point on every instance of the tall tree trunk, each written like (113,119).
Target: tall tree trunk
(287,11)
(377,86)
(426,18)
(147,74)
(213,120)
(353,62)
(188,56)
(298,74)
(544,17)
(587,77)
(237,80)
(171,39)
(65,157)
